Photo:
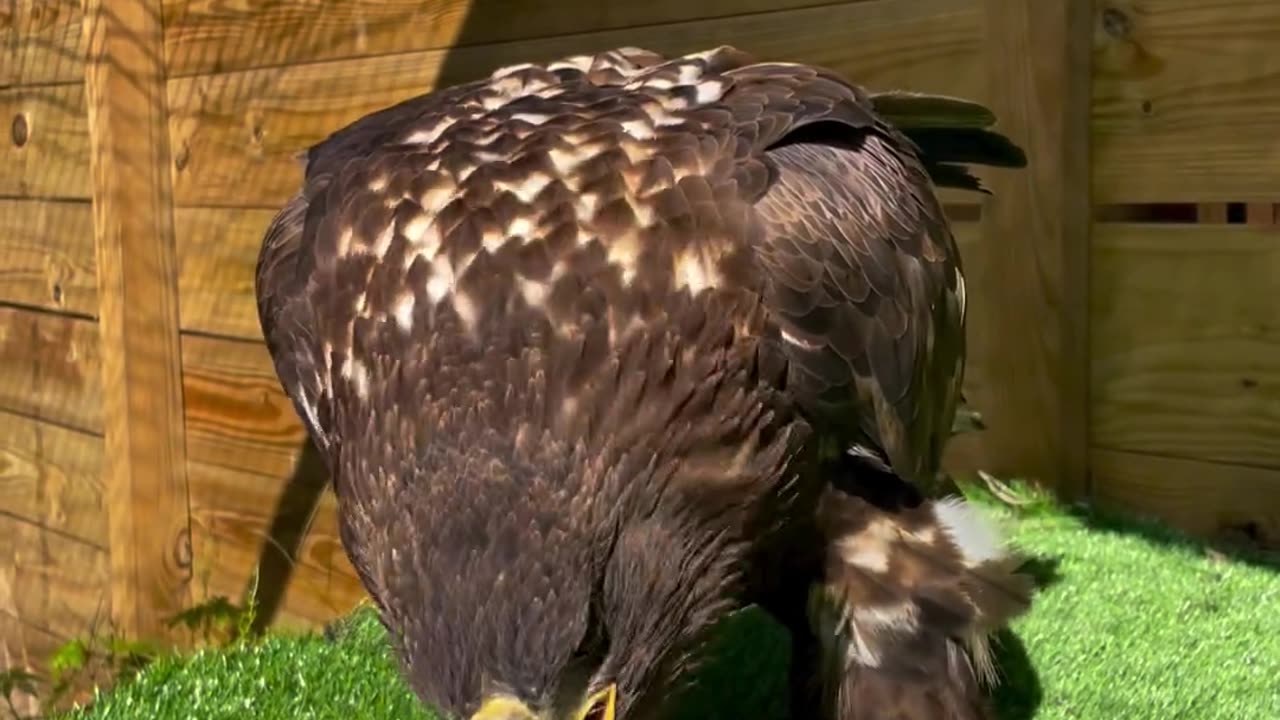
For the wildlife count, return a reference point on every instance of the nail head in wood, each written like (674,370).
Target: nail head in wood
(20,131)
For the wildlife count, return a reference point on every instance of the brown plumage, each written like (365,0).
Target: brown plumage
(600,349)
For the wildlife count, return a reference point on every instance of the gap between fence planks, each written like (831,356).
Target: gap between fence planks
(145,457)
(1034,303)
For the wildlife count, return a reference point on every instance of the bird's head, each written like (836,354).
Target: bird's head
(528,622)
(611,642)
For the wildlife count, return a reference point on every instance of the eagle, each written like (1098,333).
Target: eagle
(601,349)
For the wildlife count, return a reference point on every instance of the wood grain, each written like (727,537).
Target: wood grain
(232,516)
(1210,500)
(44,142)
(1186,101)
(52,582)
(966,453)
(237,416)
(48,262)
(1186,341)
(204,37)
(217,251)
(235,412)
(47,252)
(51,477)
(49,368)
(1034,305)
(145,462)
(235,135)
(25,646)
(41,42)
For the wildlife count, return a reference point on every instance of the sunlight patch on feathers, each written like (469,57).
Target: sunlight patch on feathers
(402,310)
(694,272)
(521,226)
(869,548)
(355,372)
(441,280)
(434,199)
(534,292)
(527,188)
(429,135)
(531,118)
(638,129)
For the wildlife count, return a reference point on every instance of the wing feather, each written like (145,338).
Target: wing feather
(600,184)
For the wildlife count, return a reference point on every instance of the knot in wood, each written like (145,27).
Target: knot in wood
(182,549)
(1116,23)
(20,131)
(181,158)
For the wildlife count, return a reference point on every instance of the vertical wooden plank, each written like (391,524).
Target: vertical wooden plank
(1034,306)
(145,456)
(1212,213)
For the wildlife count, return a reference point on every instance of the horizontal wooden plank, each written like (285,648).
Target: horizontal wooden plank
(235,135)
(47,248)
(51,476)
(1212,500)
(1185,101)
(44,151)
(52,582)
(203,37)
(217,252)
(50,263)
(49,368)
(41,42)
(242,522)
(1186,341)
(237,415)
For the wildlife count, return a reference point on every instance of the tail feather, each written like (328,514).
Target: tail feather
(950,133)
(916,109)
(910,597)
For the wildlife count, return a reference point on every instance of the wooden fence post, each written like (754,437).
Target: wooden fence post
(1034,307)
(145,483)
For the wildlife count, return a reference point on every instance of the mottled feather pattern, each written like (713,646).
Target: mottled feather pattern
(911,591)
(584,344)
(866,287)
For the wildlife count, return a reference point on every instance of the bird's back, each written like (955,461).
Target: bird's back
(602,189)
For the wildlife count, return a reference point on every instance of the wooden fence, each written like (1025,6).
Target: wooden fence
(148,460)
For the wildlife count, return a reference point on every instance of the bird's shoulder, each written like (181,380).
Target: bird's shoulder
(632,169)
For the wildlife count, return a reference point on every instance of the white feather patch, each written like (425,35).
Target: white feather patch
(975,534)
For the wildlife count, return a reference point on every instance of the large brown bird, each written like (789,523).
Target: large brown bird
(601,349)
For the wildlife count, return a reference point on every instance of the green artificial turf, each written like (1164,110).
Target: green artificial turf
(1132,623)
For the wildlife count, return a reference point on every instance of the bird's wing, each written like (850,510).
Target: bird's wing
(862,275)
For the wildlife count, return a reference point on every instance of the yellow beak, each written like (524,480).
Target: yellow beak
(601,706)
(503,708)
